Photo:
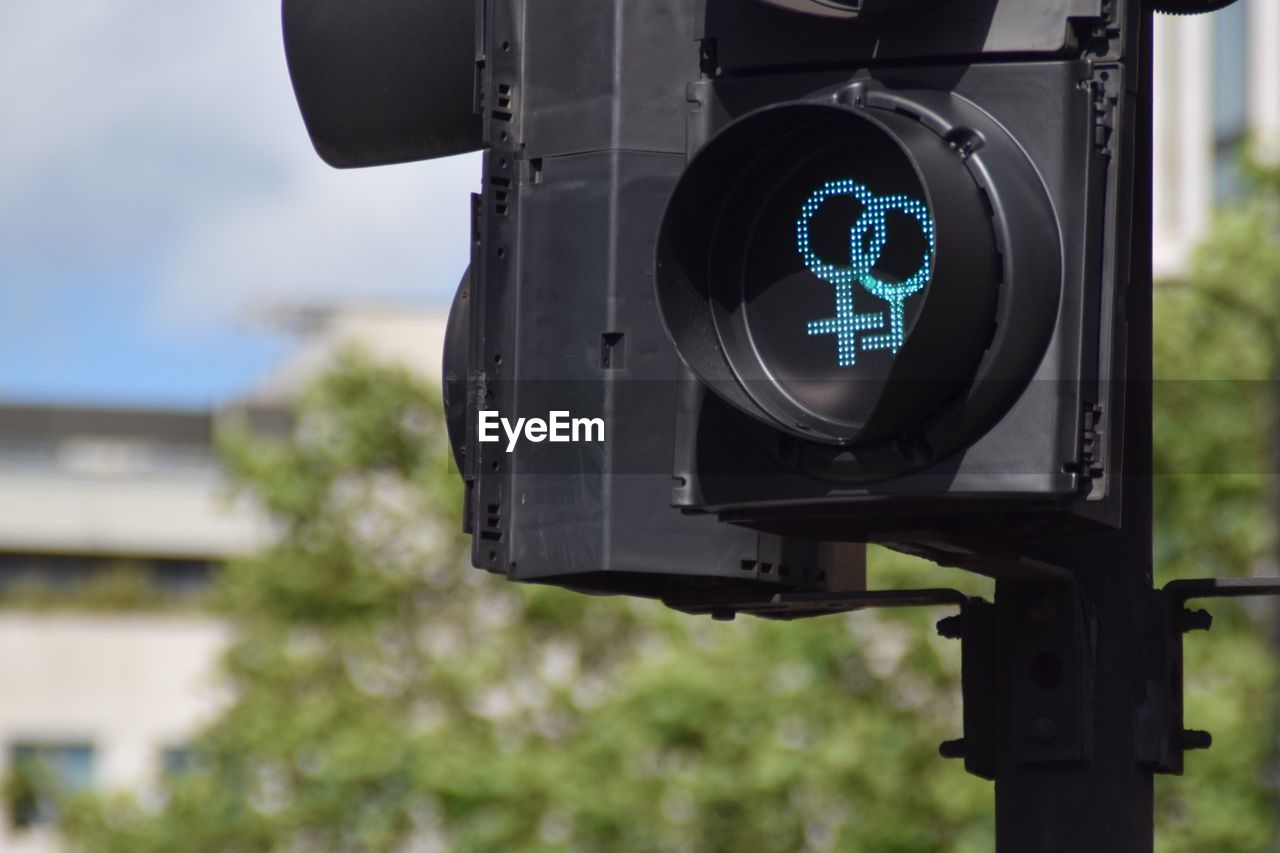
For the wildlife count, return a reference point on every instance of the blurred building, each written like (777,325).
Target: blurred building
(112,525)
(1217,82)
(102,694)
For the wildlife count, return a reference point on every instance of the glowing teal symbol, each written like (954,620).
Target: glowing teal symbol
(867,238)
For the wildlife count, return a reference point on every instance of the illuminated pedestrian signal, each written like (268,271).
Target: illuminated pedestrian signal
(868,241)
(825,270)
(833,268)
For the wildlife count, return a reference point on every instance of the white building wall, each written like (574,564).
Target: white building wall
(1184,163)
(134,685)
(1264,82)
(133,515)
(131,685)
(1185,167)
(408,338)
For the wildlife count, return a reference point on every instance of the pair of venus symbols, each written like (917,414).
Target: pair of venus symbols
(867,238)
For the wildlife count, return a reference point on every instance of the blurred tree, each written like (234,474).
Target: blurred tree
(1217,423)
(386,697)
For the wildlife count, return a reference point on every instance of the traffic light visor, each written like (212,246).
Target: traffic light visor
(384,81)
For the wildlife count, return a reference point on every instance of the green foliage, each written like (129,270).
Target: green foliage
(387,697)
(1216,407)
(121,586)
(25,790)
(1217,439)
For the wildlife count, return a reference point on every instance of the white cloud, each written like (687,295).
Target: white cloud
(397,233)
(162,139)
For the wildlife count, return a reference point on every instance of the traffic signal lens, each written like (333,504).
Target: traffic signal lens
(836,265)
(843,270)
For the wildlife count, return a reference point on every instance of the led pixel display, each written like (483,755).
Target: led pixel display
(833,243)
(867,238)
(834,271)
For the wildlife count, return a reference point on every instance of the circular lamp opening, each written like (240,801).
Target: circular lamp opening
(838,271)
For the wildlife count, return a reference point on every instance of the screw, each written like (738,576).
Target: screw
(852,96)
(952,748)
(952,628)
(1044,730)
(1195,620)
(1195,739)
(723,615)
(1042,610)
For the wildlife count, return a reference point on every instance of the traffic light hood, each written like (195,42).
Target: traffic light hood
(859,9)
(384,81)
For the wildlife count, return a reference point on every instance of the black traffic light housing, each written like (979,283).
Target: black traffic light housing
(384,81)
(830,270)
(584,116)
(999,415)
(574,102)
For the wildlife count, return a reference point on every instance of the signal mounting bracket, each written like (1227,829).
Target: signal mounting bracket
(1023,659)
(1162,740)
(1027,661)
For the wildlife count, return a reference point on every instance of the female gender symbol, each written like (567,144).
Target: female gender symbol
(867,239)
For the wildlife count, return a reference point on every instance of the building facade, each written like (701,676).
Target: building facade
(101,687)
(1217,83)
(104,693)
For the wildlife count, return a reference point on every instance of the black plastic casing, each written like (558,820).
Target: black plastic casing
(585,116)
(1042,466)
(591,110)
(1047,467)
(384,81)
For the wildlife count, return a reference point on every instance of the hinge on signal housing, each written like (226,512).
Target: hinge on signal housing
(1104,110)
(1092,446)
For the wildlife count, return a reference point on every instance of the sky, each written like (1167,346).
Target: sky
(159,199)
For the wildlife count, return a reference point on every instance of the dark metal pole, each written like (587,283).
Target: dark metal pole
(1102,800)
(1102,803)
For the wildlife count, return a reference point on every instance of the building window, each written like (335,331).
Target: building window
(38,771)
(176,761)
(35,580)
(1230,95)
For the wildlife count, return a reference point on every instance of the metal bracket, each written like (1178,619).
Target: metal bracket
(1024,664)
(800,605)
(1034,644)
(1024,679)
(1043,639)
(975,627)
(1162,740)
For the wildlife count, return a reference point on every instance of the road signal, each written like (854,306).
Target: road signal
(896,265)
(830,271)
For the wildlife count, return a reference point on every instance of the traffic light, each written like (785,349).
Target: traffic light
(819,271)
(895,268)
(580,108)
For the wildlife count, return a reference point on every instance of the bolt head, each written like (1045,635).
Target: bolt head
(1044,730)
